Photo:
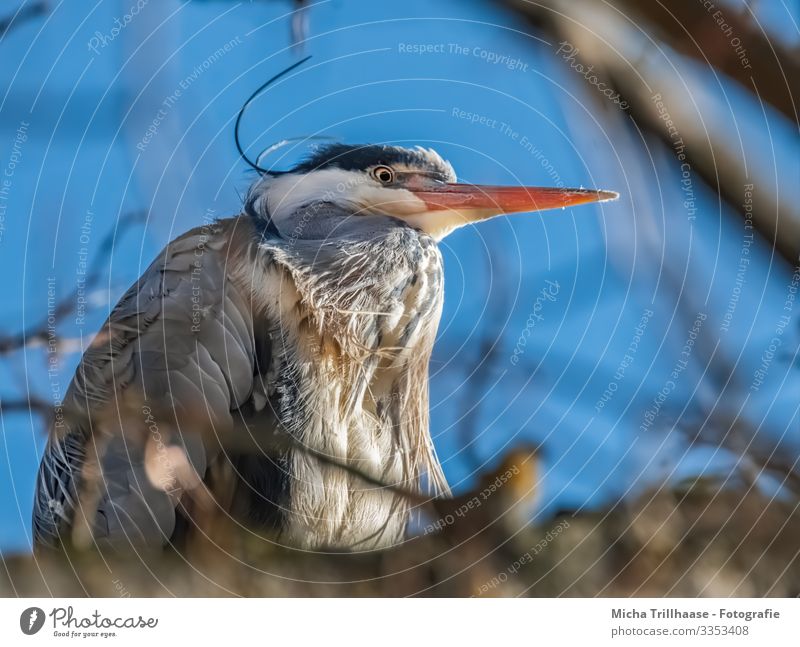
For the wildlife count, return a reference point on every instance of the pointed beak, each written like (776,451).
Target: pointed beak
(505,199)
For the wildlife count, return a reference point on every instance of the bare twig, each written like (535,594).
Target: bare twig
(39,332)
(262,433)
(35,405)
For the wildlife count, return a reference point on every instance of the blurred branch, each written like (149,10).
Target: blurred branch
(33,405)
(22,15)
(725,429)
(765,66)
(486,375)
(699,542)
(39,332)
(619,52)
(714,161)
(778,466)
(300,22)
(248,435)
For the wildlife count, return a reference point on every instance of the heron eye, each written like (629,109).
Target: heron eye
(383,174)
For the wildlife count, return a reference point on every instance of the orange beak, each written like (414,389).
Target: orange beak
(506,199)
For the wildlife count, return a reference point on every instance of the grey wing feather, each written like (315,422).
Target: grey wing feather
(151,398)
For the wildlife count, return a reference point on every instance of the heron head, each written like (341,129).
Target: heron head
(411,184)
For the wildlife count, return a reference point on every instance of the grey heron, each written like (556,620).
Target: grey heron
(317,305)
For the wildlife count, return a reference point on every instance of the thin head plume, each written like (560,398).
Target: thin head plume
(246,105)
(285,142)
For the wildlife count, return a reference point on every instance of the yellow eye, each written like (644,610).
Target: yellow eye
(383,174)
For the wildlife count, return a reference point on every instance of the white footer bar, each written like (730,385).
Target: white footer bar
(350,622)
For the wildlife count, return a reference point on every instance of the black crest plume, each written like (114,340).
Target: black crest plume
(255,164)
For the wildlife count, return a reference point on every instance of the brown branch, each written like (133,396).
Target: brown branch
(710,156)
(683,544)
(732,42)
(247,435)
(726,429)
(713,161)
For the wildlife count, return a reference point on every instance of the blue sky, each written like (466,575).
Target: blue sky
(87,159)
